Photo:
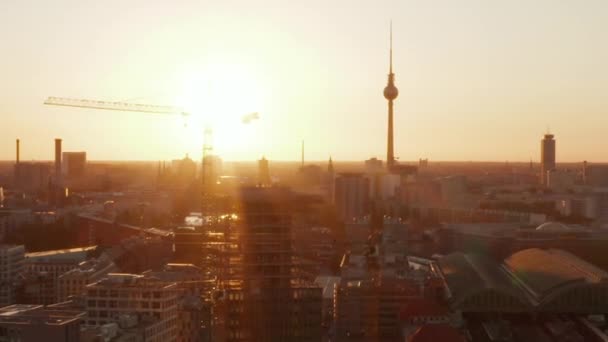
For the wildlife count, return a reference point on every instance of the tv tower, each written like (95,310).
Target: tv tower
(390,93)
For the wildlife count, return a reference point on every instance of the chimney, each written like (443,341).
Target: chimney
(17,150)
(58,161)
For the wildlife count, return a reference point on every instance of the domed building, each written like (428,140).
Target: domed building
(529,281)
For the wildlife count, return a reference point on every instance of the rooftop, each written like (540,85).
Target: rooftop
(60,253)
(527,280)
(544,270)
(125,280)
(37,314)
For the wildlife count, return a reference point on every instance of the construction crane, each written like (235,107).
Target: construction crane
(115,105)
(208,209)
(154,109)
(206,172)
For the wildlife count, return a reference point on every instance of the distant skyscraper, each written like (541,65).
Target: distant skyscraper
(330,180)
(547,157)
(390,93)
(263,172)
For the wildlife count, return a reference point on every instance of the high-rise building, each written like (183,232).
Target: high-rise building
(12,260)
(330,181)
(390,93)
(263,172)
(351,196)
(547,157)
(58,180)
(277,305)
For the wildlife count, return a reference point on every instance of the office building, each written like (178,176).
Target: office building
(151,304)
(11,268)
(263,172)
(74,164)
(351,196)
(547,157)
(74,282)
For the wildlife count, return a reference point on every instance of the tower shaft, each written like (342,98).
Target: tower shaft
(390,155)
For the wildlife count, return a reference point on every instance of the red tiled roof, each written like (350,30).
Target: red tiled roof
(422,307)
(436,333)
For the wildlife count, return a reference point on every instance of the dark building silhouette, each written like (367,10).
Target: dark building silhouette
(351,195)
(547,157)
(73,164)
(277,304)
(263,172)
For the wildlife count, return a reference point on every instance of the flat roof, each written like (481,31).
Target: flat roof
(60,252)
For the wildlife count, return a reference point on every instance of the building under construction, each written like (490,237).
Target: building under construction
(267,300)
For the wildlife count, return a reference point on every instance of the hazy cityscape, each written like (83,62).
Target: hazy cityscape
(248,212)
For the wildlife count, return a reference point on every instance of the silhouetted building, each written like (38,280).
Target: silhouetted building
(330,181)
(374,165)
(211,170)
(277,305)
(595,175)
(264,172)
(561,180)
(547,157)
(58,174)
(32,176)
(184,171)
(11,268)
(351,195)
(74,164)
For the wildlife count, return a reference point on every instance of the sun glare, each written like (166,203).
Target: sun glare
(219,96)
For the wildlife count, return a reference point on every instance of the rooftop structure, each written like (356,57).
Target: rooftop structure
(32,323)
(60,254)
(532,280)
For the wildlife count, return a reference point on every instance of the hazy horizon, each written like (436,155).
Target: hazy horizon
(478,80)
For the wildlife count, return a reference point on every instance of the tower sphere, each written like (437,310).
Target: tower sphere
(390,92)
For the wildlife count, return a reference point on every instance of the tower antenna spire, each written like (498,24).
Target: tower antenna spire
(391,48)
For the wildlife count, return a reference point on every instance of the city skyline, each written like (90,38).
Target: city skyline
(490,73)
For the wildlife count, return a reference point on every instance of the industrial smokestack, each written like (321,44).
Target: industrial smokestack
(58,161)
(17,151)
